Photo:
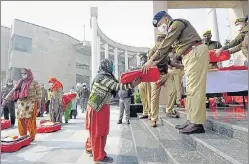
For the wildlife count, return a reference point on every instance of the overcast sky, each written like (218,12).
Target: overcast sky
(126,22)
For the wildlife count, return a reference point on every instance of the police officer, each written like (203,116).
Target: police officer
(241,41)
(167,81)
(212,45)
(9,108)
(145,92)
(207,35)
(195,59)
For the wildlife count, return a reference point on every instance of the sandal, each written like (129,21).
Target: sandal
(105,160)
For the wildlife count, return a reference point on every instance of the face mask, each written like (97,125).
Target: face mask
(207,40)
(24,76)
(163,28)
(111,68)
(9,83)
(239,27)
(50,84)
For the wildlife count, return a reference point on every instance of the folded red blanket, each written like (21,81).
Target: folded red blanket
(225,55)
(152,76)
(233,67)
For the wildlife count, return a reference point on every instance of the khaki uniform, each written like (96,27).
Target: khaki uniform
(177,74)
(211,46)
(239,43)
(145,95)
(195,65)
(155,93)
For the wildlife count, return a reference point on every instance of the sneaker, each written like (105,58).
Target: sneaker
(119,122)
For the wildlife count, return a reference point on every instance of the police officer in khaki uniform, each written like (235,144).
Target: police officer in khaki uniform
(212,45)
(207,35)
(195,59)
(145,92)
(177,74)
(241,41)
(167,81)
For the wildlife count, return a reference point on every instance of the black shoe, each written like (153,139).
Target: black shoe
(66,122)
(143,117)
(128,122)
(193,128)
(119,122)
(182,126)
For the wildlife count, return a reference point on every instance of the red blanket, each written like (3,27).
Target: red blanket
(67,98)
(233,67)
(152,76)
(225,55)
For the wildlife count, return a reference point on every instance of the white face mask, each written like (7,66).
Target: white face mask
(163,28)
(238,27)
(24,76)
(10,83)
(50,84)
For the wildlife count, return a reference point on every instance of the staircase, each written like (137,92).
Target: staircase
(223,143)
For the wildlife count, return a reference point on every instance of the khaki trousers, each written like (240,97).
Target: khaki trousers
(177,73)
(196,67)
(145,93)
(155,93)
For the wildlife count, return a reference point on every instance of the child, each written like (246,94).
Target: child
(74,106)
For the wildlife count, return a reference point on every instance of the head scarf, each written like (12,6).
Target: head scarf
(105,71)
(22,86)
(56,84)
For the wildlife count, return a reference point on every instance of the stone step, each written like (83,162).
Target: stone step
(234,129)
(176,150)
(146,150)
(218,148)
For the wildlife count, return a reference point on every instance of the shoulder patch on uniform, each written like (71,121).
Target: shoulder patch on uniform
(173,26)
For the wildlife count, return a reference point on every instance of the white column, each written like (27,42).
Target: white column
(106,51)
(98,52)
(214,24)
(138,59)
(116,62)
(126,60)
(94,15)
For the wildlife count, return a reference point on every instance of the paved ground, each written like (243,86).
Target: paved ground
(67,145)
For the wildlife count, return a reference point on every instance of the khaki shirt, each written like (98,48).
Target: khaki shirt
(242,46)
(240,37)
(180,32)
(214,45)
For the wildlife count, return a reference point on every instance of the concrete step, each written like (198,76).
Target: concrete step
(218,148)
(146,150)
(176,150)
(234,128)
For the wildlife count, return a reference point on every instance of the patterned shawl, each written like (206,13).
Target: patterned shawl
(56,84)
(22,86)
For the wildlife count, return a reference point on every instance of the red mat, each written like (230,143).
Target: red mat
(152,76)
(49,128)
(15,144)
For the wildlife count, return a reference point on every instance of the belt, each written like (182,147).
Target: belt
(191,48)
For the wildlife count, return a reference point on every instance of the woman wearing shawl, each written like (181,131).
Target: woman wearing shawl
(68,101)
(56,100)
(27,92)
(98,111)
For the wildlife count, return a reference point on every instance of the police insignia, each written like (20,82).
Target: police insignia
(154,21)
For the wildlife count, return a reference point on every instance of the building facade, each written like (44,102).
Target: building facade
(49,53)
(46,52)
